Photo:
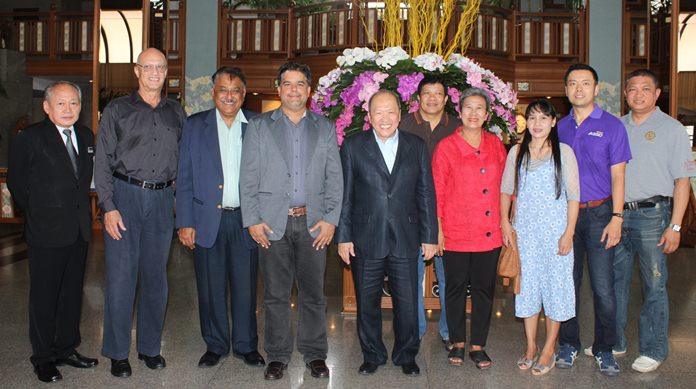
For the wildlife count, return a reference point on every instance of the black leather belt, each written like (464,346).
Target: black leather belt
(647,203)
(152,185)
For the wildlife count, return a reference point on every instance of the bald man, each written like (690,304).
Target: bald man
(135,166)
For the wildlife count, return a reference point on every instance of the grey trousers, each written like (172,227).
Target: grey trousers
(137,261)
(292,259)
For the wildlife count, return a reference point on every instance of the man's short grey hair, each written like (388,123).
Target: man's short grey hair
(49,89)
(468,92)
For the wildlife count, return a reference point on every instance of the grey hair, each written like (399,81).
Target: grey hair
(468,92)
(49,89)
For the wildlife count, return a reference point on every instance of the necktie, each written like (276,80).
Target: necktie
(71,149)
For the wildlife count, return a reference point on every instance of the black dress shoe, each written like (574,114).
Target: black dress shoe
(121,368)
(367,368)
(252,359)
(410,368)
(209,359)
(318,368)
(77,360)
(274,370)
(47,372)
(156,362)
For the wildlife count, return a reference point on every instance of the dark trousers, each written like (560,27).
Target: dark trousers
(55,300)
(600,265)
(230,260)
(137,261)
(368,276)
(477,269)
(288,260)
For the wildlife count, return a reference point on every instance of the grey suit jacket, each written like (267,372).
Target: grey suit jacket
(265,180)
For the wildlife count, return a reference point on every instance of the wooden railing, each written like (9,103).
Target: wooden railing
(333,26)
(50,34)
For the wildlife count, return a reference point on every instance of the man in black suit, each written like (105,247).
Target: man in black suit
(388,207)
(49,174)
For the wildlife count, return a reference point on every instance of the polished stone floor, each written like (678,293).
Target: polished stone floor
(182,345)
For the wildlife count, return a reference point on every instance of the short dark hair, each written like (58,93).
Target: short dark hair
(384,92)
(49,89)
(472,91)
(643,73)
(230,71)
(431,79)
(300,67)
(580,66)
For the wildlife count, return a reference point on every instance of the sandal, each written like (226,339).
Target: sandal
(539,369)
(481,359)
(525,364)
(448,345)
(456,356)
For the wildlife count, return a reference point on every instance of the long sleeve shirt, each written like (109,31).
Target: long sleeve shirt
(467,185)
(136,140)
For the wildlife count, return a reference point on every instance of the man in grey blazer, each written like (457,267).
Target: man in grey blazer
(291,189)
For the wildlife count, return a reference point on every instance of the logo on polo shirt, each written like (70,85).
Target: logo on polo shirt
(598,133)
(650,135)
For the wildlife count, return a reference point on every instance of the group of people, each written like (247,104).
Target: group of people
(273,190)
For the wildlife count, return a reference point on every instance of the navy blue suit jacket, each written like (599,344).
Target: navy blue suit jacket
(387,214)
(199,181)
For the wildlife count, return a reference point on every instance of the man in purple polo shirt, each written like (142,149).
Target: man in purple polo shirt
(601,147)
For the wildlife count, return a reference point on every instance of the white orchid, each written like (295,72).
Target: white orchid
(390,56)
(430,61)
(352,56)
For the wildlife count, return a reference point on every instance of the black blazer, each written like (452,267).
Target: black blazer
(40,177)
(387,214)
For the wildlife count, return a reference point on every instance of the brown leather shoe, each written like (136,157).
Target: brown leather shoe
(318,368)
(274,370)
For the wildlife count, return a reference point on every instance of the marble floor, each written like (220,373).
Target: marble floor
(182,344)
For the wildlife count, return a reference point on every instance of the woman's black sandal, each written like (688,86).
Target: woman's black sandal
(480,358)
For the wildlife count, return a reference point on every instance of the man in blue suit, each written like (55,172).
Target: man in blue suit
(209,221)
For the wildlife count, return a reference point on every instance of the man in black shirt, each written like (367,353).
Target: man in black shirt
(432,124)
(135,166)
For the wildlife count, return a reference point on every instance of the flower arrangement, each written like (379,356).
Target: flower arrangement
(343,93)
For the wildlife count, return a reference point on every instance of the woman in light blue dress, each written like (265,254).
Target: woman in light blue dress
(543,175)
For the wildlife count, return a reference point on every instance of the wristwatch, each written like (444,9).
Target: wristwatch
(675,227)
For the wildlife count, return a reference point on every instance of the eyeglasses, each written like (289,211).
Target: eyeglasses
(151,68)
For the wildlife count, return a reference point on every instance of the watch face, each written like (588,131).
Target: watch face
(676,227)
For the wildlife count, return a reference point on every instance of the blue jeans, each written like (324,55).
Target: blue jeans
(440,273)
(600,264)
(642,229)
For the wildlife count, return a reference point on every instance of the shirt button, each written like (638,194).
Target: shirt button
(219,206)
(478,152)
(485,191)
(483,170)
(153,170)
(488,234)
(220,186)
(488,213)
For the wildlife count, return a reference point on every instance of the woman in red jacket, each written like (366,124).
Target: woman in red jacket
(467,170)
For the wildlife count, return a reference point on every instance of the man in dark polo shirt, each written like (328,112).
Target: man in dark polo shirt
(432,124)
(136,162)
(600,144)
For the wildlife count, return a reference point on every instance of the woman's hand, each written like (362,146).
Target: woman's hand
(565,243)
(507,230)
(440,241)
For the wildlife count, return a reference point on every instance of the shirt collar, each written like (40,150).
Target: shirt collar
(239,118)
(419,118)
(654,113)
(390,141)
